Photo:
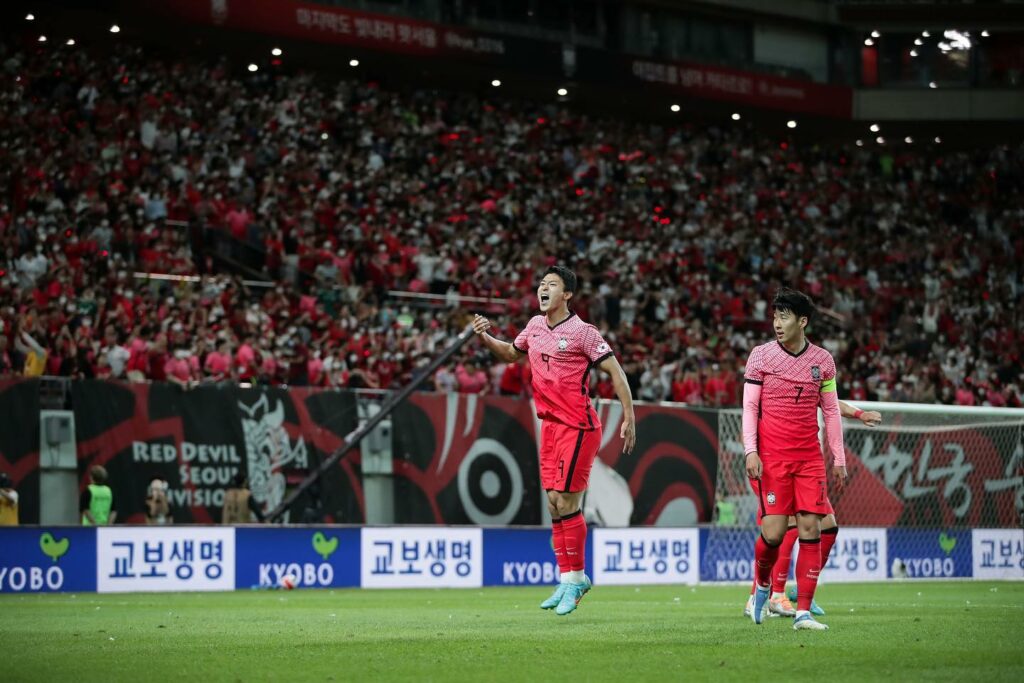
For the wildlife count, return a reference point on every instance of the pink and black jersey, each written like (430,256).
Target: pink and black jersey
(792,385)
(561,358)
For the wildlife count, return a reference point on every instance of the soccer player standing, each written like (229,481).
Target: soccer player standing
(562,350)
(785,383)
(779,604)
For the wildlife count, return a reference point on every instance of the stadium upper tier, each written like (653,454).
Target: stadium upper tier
(346,197)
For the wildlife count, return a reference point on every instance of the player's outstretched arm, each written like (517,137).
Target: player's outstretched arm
(628,431)
(871,418)
(503,350)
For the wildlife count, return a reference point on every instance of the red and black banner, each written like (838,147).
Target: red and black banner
(198,440)
(473,460)
(912,475)
(460,459)
(465,459)
(323,23)
(722,83)
(673,470)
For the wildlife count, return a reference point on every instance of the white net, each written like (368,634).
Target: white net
(925,469)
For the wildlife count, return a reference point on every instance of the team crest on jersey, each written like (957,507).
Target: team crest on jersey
(815,372)
(771,497)
(563,344)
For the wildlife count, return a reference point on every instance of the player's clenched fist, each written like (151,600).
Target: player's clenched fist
(481,324)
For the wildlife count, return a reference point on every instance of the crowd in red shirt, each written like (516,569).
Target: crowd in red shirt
(348,192)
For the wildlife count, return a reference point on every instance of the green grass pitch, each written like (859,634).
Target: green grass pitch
(970,631)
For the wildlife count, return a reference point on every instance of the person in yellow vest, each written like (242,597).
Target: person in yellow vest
(239,506)
(97,501)
(8,502)
(35,354)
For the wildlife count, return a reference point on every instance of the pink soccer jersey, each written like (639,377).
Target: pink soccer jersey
(791,388)
(561,358)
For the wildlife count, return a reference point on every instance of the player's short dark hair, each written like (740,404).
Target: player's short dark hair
(568,277)
(5,481)
(792,301)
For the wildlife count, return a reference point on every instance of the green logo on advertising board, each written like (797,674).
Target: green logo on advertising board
(53,548)
(324,546)
(947,543)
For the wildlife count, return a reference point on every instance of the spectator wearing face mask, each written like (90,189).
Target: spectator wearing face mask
(179,367)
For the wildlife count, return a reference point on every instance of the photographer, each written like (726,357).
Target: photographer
(157,507)
(8,502)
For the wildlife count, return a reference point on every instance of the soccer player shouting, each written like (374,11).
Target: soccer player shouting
(562,350)
(785,382)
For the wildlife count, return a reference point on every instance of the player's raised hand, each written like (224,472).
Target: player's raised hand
(481,324)
(840,476)
(754,465)
(871,418)
(628,435)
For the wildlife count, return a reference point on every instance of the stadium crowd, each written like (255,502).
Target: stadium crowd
(350,193)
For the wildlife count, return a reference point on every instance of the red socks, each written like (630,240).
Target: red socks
(808,566)
(558,543)
(765,555)
(828,539)
(809,563)
(574,531)
(781,570)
